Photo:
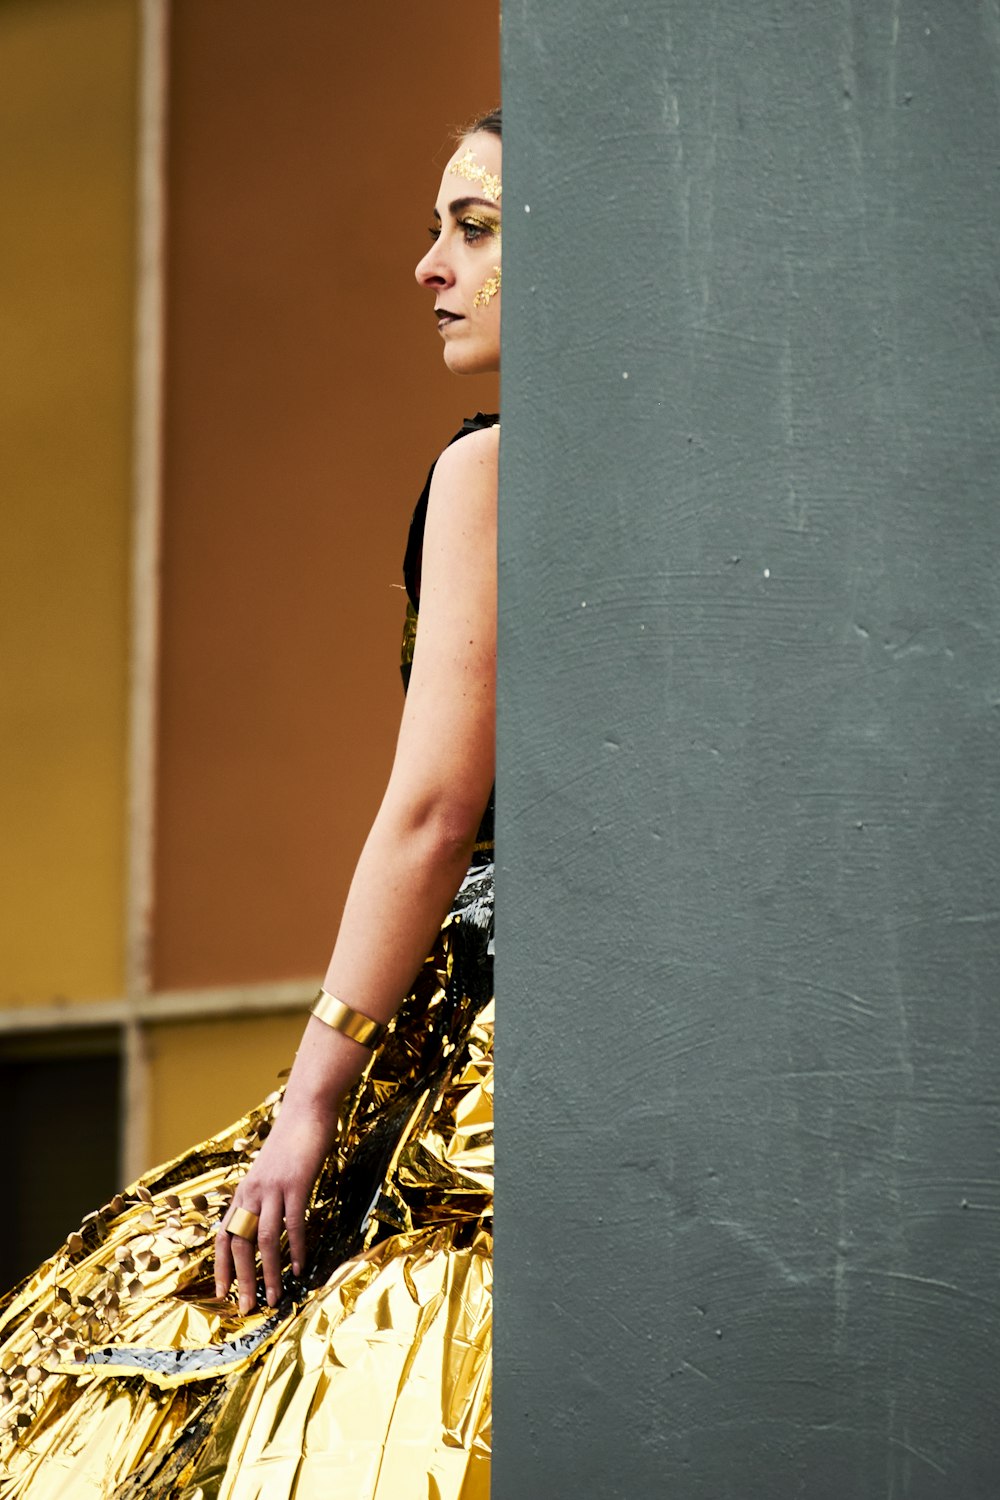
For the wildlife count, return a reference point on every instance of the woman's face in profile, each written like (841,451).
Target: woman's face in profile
(462,267)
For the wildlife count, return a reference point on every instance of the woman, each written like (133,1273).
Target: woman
(359,1364)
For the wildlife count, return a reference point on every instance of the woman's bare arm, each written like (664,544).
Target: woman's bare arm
(414,857)
(444,763)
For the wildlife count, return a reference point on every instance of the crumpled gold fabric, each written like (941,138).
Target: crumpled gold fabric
(122,1376)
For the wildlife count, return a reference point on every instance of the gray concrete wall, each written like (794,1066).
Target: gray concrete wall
(749,1037)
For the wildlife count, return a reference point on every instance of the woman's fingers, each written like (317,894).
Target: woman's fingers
(244,1253)
(295,1223)
(224,1268)
(234,1252)
(236,1257)
(269,1245)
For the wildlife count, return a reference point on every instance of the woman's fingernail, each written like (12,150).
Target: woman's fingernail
(245,1304)
(296,1268)
(272,1297)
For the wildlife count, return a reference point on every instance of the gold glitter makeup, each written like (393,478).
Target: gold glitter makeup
(488,290)
(487,226)
(473,171)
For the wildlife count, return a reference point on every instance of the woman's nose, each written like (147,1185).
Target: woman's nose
(433,269)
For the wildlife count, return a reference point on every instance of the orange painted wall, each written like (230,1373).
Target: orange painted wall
(305,398)
(67,164)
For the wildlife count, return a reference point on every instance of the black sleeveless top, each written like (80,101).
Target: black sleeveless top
(411,577)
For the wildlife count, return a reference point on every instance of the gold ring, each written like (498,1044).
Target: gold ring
(242,1223)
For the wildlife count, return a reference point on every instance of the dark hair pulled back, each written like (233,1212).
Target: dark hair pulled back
(490,123)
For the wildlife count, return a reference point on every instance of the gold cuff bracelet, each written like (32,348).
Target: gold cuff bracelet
(333,1012)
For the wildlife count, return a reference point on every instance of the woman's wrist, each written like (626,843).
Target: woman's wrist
(340,1016)
(326,1066)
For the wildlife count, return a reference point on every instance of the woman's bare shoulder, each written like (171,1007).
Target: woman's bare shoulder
(473,459)
(462,506)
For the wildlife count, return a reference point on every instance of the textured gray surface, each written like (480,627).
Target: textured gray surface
(749,1036)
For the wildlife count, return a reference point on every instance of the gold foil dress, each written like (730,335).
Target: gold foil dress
(121,1375)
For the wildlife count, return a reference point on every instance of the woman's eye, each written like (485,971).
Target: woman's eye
(477,229)
(472,230)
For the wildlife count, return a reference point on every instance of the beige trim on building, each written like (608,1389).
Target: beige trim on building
(145,594)
(147,466)
(141,1011)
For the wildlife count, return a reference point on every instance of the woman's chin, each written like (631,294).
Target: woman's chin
(470,361)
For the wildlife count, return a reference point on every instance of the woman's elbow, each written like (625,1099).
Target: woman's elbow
(443,823)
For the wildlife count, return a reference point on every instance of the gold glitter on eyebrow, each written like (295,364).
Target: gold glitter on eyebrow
(488,290)
(473,171)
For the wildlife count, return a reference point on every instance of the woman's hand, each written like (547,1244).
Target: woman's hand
(277,1189)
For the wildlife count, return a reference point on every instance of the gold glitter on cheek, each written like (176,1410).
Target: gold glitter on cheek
(473,171)
(488,290)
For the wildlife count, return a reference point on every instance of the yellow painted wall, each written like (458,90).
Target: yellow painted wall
(67,152)
(205,1074)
